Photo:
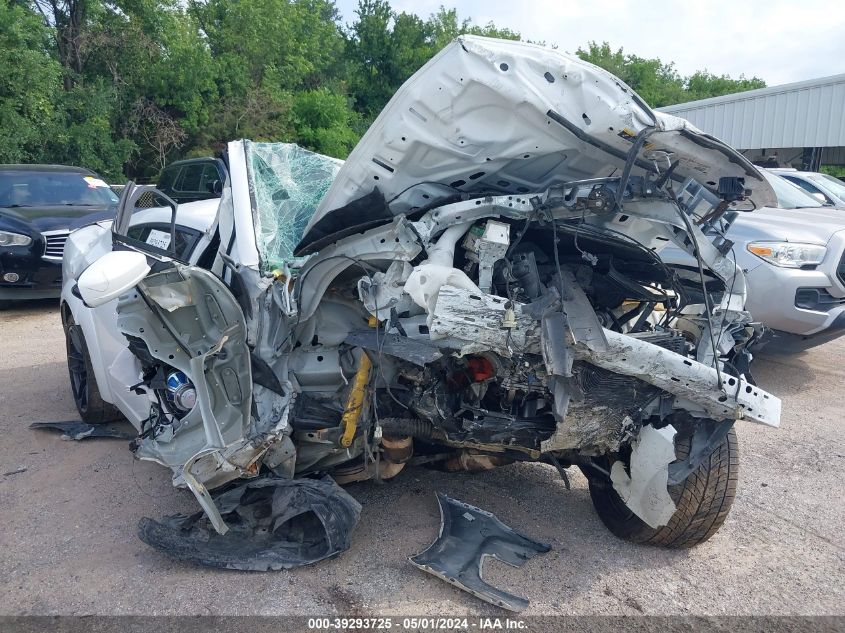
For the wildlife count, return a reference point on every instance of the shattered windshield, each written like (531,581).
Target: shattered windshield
(286,183)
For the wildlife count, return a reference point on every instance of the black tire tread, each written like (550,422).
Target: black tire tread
(98,411)
(703,499)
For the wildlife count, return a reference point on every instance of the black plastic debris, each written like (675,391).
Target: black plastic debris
(273,524)
(467,535)
(74,430)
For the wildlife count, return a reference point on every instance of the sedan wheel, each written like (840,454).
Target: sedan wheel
(83,385)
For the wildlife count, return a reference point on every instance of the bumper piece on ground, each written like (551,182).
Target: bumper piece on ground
(273,524)
(467,535)
(82,430)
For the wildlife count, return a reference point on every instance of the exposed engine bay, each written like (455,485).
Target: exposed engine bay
(581,338)
(520,312)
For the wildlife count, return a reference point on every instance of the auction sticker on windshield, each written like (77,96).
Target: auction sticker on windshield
(159,239)
(93,183)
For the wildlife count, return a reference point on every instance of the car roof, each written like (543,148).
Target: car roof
(198,215)
(790,171)
(186,161)
(815,177)
(47,168)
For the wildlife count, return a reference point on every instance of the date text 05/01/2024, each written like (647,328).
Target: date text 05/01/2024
(417,624)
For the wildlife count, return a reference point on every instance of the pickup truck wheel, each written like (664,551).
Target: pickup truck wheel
(703,499)
(91,406)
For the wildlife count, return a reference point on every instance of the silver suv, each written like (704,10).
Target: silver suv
(794,262)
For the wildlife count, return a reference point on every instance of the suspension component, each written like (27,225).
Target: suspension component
(355,401)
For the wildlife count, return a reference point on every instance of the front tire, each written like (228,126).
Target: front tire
(83,384)
(703,499)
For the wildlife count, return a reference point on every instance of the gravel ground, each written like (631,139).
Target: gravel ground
(68,544)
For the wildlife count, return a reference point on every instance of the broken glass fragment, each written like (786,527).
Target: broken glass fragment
(287,184)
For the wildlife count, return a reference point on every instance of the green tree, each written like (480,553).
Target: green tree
(660,83)
(277,44)
(324,122)
(29,83)
(371,52)
(445,26)
(271,61)
(655,81)
(702,85)
(126,86)
(385,48)
(67,20)
(87,132)
(258,114)
(153,51)
(161,73)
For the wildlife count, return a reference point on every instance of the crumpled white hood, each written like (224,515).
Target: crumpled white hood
(488,115)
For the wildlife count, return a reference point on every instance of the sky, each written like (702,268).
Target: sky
(779,41)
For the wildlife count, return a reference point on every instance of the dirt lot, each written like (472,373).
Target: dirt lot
(68,544)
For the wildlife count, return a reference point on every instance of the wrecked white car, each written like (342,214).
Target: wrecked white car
(479,283)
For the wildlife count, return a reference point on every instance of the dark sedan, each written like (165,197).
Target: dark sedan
(39,206)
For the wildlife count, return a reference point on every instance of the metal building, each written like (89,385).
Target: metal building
(800,124)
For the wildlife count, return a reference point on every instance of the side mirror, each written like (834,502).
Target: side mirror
(820,197)
(215,187)
(111,275)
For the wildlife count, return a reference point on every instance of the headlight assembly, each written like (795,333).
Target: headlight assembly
(14,239)
(788,254)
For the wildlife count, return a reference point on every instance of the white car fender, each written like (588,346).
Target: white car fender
(82,248)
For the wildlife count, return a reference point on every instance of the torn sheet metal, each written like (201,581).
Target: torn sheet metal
(486,245)
(82,431)
(204,339)
(584,325)
(383,292)
(601,414)
(645,490)
(273,524)
(467,535)
(412,350)
(684,377)
(488,322)
(707,436)
(172,296)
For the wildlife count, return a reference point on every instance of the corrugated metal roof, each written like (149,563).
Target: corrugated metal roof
(802,114)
